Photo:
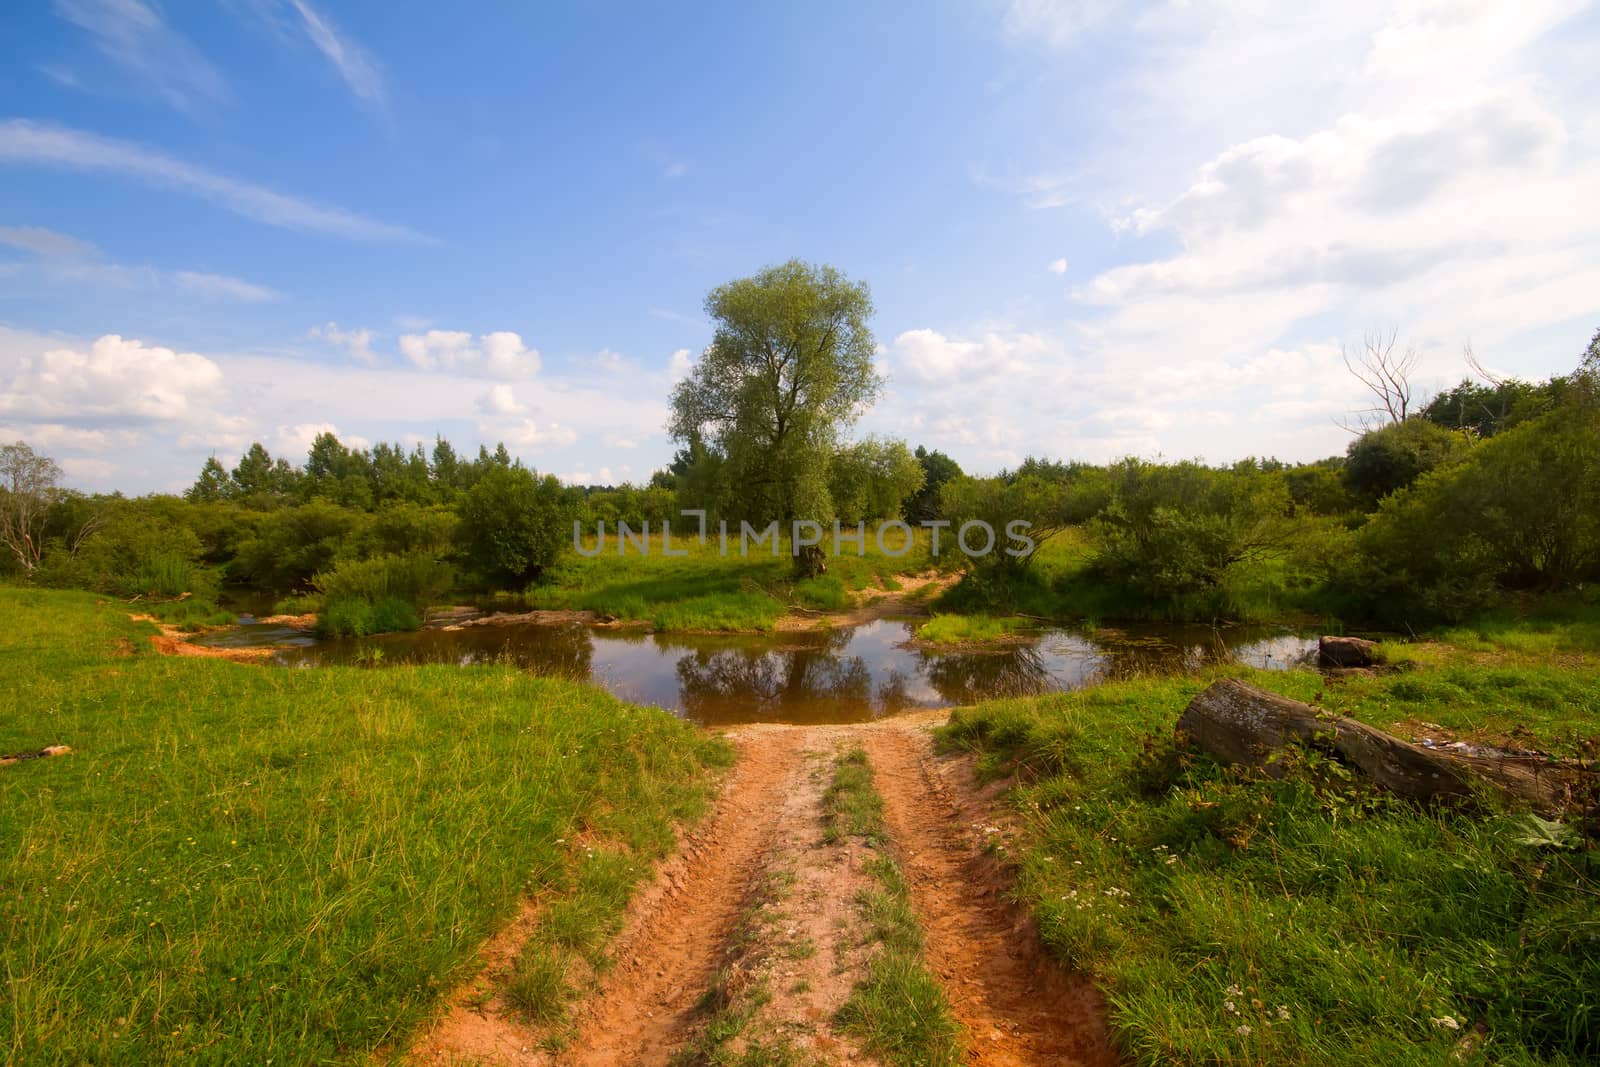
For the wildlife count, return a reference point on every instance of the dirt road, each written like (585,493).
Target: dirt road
(757,896)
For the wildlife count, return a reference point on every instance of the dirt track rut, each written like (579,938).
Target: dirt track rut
(1016,1005)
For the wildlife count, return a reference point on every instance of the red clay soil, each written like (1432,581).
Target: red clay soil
(172,641)
(674,939)
(1018,1006)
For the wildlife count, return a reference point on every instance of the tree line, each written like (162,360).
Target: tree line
(1434,511)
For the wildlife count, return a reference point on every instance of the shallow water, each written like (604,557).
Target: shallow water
(844,675)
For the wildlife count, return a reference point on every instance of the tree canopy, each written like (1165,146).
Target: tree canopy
(789,368)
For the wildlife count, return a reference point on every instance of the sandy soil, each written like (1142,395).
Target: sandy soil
(757,893)
(172,641)
(910,599)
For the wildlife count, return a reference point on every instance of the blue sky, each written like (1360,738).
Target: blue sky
(1092,228)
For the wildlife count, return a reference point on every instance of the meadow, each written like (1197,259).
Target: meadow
(707,590)
(254,865)
(1236,918)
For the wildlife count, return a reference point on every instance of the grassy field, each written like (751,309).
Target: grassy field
(251,865)
(1238,919)
(706,591)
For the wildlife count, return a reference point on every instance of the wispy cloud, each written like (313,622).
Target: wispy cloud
(43,242)
(135,38)
(354,64)
(64,258)
(23,141)
(220,285)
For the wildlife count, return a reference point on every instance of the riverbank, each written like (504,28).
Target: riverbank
(1236,918)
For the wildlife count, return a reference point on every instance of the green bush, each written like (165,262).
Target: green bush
(515,523)
(1176,532)
(1386,460)
(379,595)
(357,617)
(1521,511)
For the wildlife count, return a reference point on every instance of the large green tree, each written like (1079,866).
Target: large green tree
(789,368)
(514,523)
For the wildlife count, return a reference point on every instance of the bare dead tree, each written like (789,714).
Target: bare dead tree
(1477,367)
(27,485)
(1387,375)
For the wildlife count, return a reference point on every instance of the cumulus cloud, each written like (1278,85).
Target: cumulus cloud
(295,441)
(1059,266)
(500,400)
(357,342)
(113,378)
(502,354)
(530,435)
(679,365)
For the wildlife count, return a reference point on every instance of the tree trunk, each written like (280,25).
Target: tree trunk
(1238,723)
(809,562)
(1344,652)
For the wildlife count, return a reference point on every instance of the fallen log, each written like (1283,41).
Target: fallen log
(1344,652)
(44,753)
(1238,723)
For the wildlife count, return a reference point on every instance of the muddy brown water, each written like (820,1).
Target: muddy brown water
(846,675)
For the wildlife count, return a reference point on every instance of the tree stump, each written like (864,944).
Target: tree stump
(1344,652)
(1238,723)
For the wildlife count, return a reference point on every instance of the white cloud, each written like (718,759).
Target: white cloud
(1056,22)
(609,361)
(41,143)
(113,378)
(84,469)
(527,434)
(43,242)
(220,285)
(500,400)
(619,440)
(1058,266)
(358,69)
(294,442)
(67,259)
(501,354)
(680,365)
(52,435)
(357,342)
(136,38)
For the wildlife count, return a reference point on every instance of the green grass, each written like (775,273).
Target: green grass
(898,1010)
(238,863)
(192,615)
(961,629)
(1309,920)
(704,590)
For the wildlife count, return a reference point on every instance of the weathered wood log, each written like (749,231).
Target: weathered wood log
(1344,652)
(1238,723)
(44,753)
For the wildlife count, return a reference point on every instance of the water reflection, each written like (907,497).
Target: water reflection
(847,675)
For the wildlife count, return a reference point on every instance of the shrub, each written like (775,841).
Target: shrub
(379,595)
(1388,459)
(514,523)
(355,617)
